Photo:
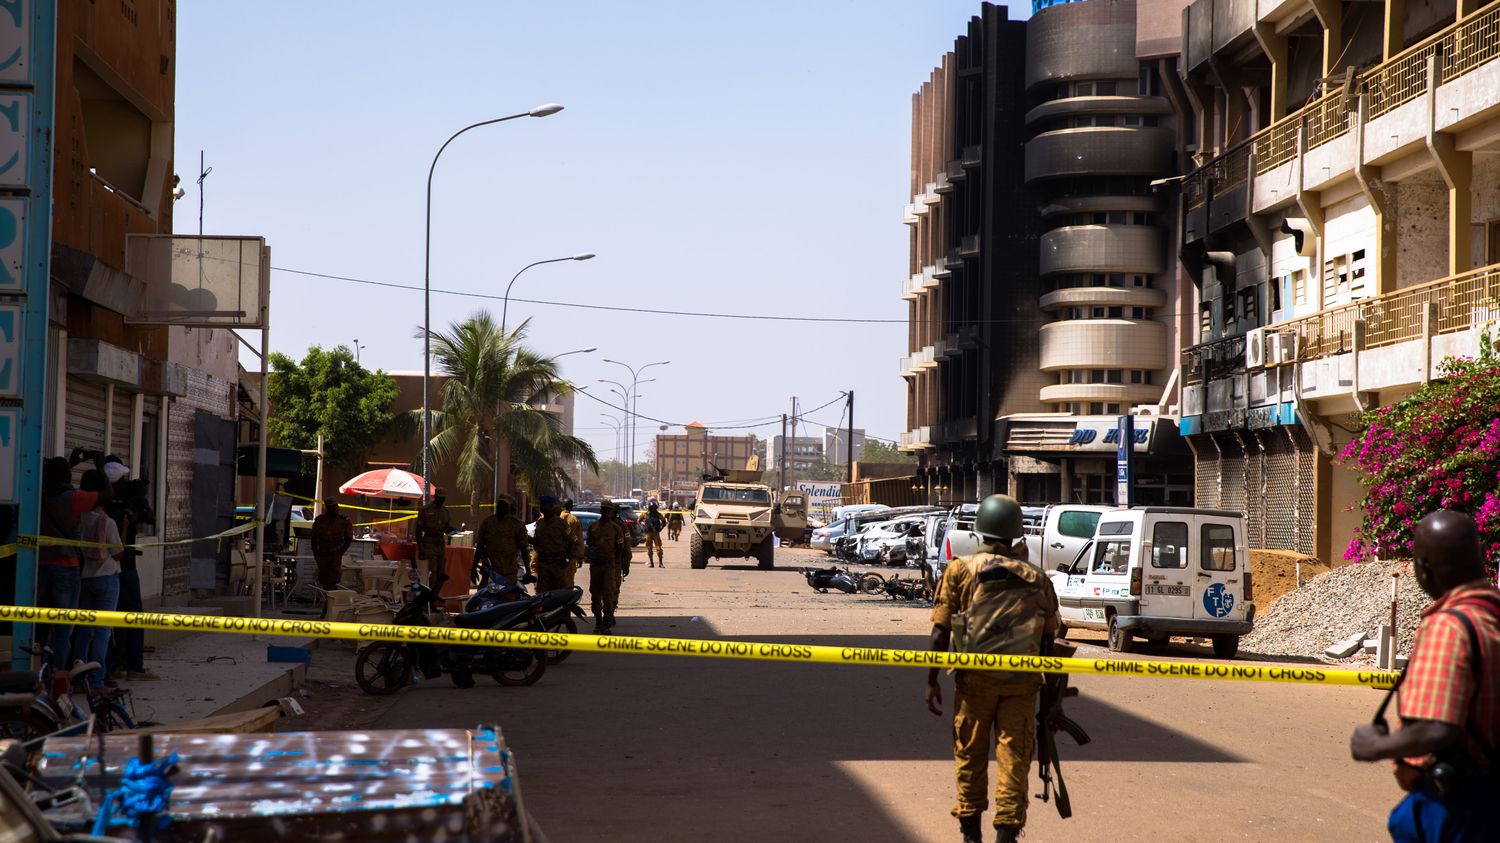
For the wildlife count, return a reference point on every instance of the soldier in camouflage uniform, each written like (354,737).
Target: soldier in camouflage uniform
(556,548)
(432,526)
(576,527)
(608,545)
(501,541)
(982,700)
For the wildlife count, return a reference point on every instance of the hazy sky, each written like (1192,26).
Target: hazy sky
(729,157)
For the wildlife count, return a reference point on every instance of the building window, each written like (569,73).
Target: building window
(1147,84)
(1299,288)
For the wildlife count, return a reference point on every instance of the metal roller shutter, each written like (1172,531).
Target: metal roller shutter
(84,425)
(1232,474)
(1255,491)
(1281,491)
(1206,469)
(121,425)
(1306,457)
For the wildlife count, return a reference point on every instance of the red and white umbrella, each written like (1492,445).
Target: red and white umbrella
(388,483)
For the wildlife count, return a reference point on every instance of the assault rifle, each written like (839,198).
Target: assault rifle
(1049,721)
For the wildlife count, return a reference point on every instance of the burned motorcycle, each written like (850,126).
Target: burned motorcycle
(845,580)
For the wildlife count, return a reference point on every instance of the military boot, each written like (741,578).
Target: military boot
(1007,833)
(972,828)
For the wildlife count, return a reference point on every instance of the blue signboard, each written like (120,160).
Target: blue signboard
(28,36)
(1125,462)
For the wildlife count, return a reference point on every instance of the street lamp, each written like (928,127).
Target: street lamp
(539,111)
(505,308)
(357,349)
(615,424)
(635,380)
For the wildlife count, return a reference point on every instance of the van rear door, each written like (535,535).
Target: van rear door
(1168,566)
(1219,564)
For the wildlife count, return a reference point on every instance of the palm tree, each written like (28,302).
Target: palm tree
(491,381)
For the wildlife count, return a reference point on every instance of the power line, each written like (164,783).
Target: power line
(615,308)
(768,317)
(593,397)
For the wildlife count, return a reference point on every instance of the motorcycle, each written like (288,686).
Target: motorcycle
(559,606)
(385,667)
(899,589)
(842,579)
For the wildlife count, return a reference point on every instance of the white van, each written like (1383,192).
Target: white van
(1155,572)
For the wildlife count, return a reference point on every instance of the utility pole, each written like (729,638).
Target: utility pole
(782,459)
(849,443)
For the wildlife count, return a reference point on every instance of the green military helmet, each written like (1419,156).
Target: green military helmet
(999,519)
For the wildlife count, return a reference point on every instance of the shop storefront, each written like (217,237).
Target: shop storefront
(1052,458)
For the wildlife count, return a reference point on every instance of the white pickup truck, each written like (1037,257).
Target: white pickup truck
(1055,537)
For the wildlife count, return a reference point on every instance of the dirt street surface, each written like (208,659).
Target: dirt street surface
(647,748)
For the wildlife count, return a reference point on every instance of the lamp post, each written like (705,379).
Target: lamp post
(615,424)
(505,308)
(357,349)
(635,380)
(540,111)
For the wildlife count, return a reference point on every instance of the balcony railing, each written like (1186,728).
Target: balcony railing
(1460,49)
(1213,360)
(1457,303)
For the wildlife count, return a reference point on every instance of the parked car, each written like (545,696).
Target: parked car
(584,516)
(628,515)
(826,538)
(885,541)
(1156,572)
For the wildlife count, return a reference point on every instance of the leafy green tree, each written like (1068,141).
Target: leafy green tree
(881,452)
(491,381)
(328,392)
(1438,448)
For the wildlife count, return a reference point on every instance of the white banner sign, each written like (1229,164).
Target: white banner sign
(822,498)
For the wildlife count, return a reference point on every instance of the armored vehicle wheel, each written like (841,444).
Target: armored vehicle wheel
(765,554)
(697,553)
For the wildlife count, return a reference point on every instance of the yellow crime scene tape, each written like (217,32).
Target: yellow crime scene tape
(742,650)
(7,550)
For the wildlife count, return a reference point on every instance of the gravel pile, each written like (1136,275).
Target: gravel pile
(1334,606)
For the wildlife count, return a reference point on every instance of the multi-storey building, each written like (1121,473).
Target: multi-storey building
(973,327)
(836,442)
(1342,228)
(1071,306)
(682,459)
(800,451)
(126,374)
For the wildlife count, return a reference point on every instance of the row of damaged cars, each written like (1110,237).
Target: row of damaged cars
(879,535)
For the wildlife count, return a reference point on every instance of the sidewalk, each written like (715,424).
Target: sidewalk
(204,673)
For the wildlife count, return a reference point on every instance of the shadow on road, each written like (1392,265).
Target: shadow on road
(634,747)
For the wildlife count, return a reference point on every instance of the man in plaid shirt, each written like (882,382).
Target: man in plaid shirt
(1449,704)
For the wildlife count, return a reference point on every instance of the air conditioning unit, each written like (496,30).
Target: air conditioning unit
(1255,349)
(1284,348)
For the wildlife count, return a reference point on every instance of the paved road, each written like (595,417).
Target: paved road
(628,747)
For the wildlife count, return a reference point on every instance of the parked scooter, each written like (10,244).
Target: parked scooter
(845,580)
(560,606)
(385,667)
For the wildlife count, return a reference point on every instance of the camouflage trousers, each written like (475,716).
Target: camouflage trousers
(604,588)
(552,574)
(979,711)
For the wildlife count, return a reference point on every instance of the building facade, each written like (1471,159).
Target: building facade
(1075,312)
(161,397)
(682,459)
(1342,232)
(971,286)
(836,442)
(801,452)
